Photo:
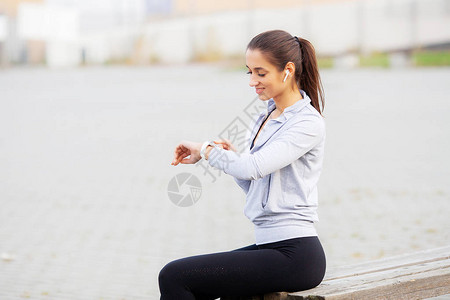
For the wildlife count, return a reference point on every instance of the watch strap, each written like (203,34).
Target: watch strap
(204,146)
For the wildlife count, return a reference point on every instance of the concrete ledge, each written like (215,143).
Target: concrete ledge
(419,275)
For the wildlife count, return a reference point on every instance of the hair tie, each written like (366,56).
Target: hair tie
(301,49)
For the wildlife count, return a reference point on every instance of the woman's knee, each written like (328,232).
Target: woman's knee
(172,284)
(167,275)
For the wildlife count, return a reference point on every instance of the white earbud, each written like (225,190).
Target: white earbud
(287,74)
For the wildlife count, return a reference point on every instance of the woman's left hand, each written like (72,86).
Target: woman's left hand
(225,144)
(185,149)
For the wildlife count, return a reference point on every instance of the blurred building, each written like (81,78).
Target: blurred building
(203,30)
(12,47)
(72,32)
(183,7)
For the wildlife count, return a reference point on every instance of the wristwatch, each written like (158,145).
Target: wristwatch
(203,149)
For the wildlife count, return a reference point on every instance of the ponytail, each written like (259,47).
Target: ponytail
(280,48)
(309,78)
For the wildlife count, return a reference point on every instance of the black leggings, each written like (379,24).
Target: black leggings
(286,266)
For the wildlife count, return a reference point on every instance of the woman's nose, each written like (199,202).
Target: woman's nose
(253,82)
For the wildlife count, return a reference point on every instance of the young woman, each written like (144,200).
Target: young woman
(279,174)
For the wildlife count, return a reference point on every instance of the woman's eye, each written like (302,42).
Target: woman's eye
(260,75)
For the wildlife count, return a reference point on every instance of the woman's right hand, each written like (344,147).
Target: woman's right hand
(226,144)
(187,152)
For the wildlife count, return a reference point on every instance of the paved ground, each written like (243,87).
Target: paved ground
(85,164)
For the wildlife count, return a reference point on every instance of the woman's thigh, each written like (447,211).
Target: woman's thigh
(238,272)
(290,265)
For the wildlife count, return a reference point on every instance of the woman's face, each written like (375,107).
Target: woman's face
(264,76)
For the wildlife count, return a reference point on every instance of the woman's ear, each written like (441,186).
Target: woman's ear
(289,70)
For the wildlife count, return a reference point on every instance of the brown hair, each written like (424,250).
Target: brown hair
(280,47)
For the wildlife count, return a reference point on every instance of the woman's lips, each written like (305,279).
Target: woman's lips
(259,90)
